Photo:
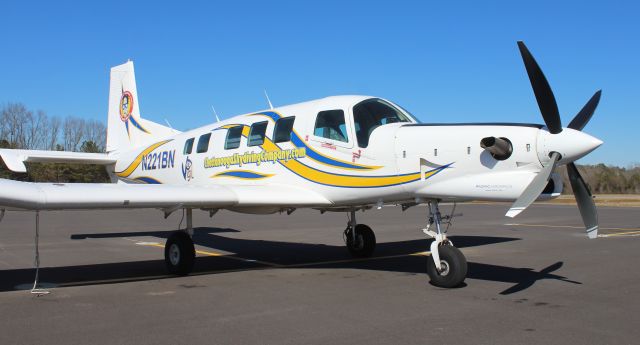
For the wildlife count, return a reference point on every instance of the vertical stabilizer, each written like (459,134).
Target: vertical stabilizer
(126,129)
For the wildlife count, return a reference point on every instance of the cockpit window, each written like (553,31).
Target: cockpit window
(330,124)
(370,114)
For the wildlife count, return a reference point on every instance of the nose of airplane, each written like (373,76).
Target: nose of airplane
(571,144)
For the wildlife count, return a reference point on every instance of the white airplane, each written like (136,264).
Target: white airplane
(343,154)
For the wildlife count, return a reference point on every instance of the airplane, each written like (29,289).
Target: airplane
(335,154)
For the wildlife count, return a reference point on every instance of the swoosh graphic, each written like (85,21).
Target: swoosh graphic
(297,141)
(136,162)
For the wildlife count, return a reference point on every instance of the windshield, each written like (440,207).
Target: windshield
(370,114)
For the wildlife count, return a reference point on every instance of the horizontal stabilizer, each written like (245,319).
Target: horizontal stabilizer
(15,159)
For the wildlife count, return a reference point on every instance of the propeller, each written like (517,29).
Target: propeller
(534,188)
(542,90)
(551,115)
(586,112)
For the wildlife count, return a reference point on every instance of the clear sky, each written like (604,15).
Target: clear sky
(445,61)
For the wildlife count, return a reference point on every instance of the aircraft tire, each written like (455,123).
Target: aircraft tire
(455,267)
(365,244)
(179,253)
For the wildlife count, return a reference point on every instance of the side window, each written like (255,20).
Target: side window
(256,133)
(203,143)
(188,146)
(283,129)
(233,138)
(371,114)
(330,124)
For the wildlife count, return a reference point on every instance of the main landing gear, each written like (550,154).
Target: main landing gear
(447,266)
(179,252)
(360,239)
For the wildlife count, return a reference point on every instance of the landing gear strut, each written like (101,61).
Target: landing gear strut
(179,252)
(447,266)
(360,239)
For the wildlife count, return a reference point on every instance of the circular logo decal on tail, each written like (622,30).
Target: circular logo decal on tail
(126,106)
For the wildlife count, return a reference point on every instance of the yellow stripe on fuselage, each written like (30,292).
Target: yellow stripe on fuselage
(339,180)
(136,162)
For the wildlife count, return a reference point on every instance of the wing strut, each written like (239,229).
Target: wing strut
(35,289)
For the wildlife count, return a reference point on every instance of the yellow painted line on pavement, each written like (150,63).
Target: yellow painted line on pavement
(201,252)
(568,226)
(319,263)
(274,265)
(622,234)
(215,254)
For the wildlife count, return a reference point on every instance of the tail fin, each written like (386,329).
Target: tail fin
(125,128)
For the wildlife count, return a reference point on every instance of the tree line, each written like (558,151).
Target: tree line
(604,179)
(21,128)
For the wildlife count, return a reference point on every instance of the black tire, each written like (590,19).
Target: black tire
(179,253)
(365,241)
(455,267)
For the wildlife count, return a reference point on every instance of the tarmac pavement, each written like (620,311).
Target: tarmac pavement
(281,279)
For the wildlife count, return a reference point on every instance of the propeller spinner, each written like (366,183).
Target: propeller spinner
(561,146)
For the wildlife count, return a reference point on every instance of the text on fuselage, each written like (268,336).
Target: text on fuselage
(158,160)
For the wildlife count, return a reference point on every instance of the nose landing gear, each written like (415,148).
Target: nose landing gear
(447,266)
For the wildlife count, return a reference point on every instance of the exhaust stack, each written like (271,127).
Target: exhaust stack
(500,148)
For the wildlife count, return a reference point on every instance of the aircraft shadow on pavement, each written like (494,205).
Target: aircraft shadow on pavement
(260,254)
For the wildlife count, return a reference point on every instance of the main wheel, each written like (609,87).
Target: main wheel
(454,267)
(365,241)
(179,253)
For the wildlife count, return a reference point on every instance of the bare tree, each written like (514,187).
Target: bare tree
(52,133)
(20,128)
(35,127)
(73,132)
(96,132)
(12,124)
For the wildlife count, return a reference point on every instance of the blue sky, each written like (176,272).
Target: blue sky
(445,61)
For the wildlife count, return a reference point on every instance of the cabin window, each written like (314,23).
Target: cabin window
(233,138)
(330,124)
(371,114)
(256,133)
(188,146)
(283,129)
(203,143)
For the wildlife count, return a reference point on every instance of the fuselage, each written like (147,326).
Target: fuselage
(353,150)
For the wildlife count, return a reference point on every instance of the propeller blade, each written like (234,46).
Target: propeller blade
(585,201)
(534,188)
(542,90)
(587,111)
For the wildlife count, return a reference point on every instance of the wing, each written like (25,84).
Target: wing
(15,195)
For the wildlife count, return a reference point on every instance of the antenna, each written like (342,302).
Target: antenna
(167,121)
(268,100)
(215,113)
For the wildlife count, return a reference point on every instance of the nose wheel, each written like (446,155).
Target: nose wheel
(446,266)
(453,267)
